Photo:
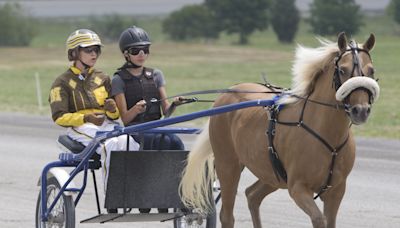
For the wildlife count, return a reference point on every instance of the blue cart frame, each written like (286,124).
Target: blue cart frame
(81,161)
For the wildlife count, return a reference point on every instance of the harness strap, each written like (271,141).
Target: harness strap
(335,106)
(277,165)
(334,154)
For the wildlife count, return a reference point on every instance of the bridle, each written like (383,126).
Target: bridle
(355,72)
(355,50)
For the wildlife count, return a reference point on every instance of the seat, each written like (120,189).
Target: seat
(72,145)
(76,147)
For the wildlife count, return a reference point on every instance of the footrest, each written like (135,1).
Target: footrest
(69,158)
(151,217)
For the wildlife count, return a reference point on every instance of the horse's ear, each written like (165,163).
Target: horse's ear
(342,42)
(369,44)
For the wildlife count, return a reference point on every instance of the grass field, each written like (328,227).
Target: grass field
(198,65)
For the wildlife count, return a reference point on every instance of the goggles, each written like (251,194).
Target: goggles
(91,49)
(137,50)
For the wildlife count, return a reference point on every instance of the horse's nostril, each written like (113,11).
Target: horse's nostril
(354,110)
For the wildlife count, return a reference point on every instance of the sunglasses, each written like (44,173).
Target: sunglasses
(91,49)
(137,50)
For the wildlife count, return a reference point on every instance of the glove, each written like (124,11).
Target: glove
(178,100)
(94,118)
(110,106)
(140,106)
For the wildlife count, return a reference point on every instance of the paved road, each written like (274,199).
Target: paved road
(73,8)
(27,143)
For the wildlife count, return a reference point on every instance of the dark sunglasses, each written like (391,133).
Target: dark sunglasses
(136,50)
(91,49)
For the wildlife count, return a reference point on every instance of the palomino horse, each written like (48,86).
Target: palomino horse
(303,144)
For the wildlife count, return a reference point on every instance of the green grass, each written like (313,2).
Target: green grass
(198,65)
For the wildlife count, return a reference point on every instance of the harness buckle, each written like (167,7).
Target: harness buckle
(272,151)
(300,123)
(268,113)
(328,187)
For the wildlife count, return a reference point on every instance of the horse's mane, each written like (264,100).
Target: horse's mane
(307,66)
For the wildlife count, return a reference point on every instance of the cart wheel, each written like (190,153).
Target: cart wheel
(63,213)
(196,221)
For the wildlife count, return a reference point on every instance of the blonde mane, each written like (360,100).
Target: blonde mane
(307,66)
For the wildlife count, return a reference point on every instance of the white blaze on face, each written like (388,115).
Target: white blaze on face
(358,82)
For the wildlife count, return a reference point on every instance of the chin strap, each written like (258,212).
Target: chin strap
(82,74)
(87,67)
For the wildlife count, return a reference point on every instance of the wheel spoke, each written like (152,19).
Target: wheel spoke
(63,213)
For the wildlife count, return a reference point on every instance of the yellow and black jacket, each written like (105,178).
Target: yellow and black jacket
(72,96)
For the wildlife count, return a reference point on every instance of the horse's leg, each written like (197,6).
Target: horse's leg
(229,181)
(332,201)
(303,197)
(255,194)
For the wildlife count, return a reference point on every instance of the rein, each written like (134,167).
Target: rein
(216,91)
(275,90)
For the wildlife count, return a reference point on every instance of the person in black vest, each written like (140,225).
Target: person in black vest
(135,86)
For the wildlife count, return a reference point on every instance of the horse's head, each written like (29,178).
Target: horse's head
(354,78)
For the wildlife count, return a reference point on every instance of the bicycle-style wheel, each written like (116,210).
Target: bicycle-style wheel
(63,213)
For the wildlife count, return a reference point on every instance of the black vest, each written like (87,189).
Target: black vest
(141,88)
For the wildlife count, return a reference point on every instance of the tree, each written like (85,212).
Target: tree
(394,10)
(17,29)
(109,27)
(193,21)
(329,17)
(238,16)
(285,19)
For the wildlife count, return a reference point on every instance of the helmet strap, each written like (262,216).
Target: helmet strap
(86,68)
(84,65)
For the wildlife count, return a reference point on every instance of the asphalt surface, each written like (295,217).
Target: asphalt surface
(74,8)
(28,143)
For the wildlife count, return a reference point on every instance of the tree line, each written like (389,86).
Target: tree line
(209,19)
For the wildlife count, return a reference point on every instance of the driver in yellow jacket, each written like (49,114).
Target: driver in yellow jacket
(79,98)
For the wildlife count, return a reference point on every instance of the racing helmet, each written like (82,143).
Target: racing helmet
(133,36)
(81,38)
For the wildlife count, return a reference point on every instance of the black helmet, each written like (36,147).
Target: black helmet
(133,36)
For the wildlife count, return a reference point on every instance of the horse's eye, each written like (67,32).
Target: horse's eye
(371,72)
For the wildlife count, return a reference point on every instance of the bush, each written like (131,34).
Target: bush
(194,21)
(285,19)
(330,17)
(16,28)
(110,27)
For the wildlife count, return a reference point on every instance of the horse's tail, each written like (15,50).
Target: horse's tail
(198,176)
